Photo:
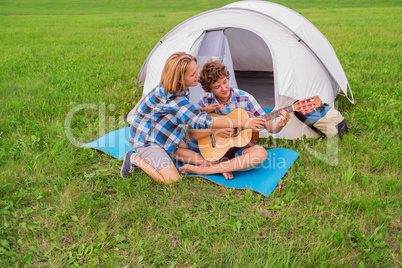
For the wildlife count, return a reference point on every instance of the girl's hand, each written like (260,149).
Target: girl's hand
(225,132)
(212,107)
(254,123)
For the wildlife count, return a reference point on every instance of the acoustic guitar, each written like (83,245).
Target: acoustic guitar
(215,148)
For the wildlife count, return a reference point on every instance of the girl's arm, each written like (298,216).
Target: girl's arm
(256,123)
(219,123)
(195,134)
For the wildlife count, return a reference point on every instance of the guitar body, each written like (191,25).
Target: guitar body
(215,148)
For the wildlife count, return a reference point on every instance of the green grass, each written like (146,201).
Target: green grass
(63,206)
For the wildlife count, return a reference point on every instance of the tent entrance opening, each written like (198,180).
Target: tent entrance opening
(252,65)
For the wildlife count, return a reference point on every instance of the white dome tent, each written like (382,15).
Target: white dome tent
(271,51)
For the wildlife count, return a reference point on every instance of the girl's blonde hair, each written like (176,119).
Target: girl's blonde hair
(174,70)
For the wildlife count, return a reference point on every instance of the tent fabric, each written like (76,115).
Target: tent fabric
(305,31)
(256,37)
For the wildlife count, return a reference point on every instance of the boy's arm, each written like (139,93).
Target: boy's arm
(276,126)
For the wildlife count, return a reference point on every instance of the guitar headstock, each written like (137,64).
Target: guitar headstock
(307,105)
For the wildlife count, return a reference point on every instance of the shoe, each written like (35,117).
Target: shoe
(127,166)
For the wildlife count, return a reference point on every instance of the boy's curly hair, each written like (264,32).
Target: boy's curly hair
(211,72)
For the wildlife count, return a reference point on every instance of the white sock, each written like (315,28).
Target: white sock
(132,157)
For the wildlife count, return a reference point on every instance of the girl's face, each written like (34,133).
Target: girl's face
(191,75)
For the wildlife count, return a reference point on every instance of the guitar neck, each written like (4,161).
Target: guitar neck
(275,114)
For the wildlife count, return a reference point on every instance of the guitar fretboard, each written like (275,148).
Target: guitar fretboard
(277,113)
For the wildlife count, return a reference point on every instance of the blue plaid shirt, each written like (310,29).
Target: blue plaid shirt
(238,99)
(161,118)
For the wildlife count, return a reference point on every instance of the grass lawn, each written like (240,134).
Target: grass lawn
(64,206)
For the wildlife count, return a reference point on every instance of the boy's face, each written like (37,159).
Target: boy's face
(221,89)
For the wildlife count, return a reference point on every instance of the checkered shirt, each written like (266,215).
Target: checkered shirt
(238,99)
(161,118)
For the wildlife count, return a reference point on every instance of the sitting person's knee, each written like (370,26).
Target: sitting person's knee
(171,179)
(263,152)
(258,154)
(169,174)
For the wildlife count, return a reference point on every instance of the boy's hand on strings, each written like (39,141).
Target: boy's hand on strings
(284,118)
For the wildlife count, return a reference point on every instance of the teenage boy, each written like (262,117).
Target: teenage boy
(222,99)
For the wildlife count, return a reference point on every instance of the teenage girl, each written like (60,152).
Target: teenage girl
(161,118)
